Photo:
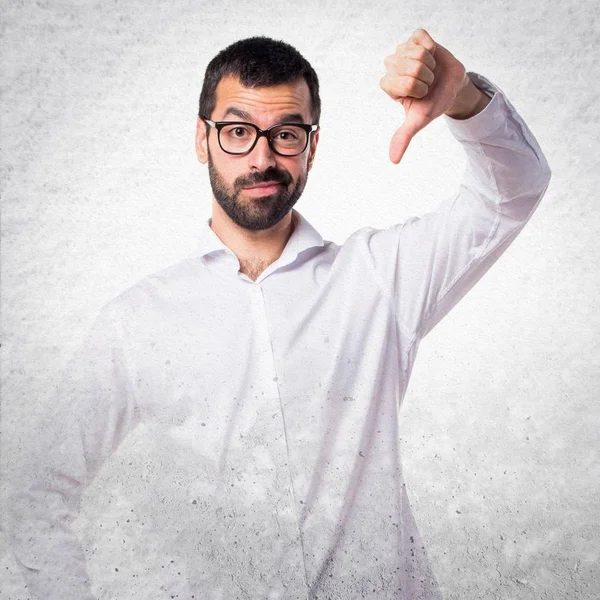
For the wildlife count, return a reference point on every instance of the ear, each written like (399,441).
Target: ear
(201,141)
(313,149)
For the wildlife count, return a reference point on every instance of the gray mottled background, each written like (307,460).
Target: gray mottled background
(101,186)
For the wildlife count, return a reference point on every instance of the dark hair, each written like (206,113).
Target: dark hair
(259,61)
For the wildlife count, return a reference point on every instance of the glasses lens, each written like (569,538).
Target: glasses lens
(288,139)
(237,137)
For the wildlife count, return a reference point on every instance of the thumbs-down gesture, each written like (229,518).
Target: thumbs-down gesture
(428,81)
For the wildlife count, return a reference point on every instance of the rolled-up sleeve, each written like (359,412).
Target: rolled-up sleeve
(431,262)
(91,413)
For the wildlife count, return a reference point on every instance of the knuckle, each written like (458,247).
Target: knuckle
(416,69)
(424,74)
(391,87)
(417,89)
(422,53)
(401,48)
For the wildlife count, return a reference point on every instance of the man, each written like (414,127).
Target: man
(270,365)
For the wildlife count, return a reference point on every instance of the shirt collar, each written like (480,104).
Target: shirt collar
(303,237)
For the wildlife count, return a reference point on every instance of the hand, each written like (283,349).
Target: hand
(426,86)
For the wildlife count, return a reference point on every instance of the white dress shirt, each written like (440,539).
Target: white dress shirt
(274,403)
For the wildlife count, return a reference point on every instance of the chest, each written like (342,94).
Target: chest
(246,371)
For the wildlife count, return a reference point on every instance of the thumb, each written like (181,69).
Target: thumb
(402,138)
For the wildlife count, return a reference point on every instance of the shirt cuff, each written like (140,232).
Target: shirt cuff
(485,122)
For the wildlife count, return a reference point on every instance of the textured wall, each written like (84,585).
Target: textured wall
(101,186)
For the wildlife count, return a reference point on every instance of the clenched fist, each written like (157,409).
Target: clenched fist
(428,81)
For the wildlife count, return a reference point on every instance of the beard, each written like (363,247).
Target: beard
(262,212)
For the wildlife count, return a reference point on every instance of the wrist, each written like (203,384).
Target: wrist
(469,101)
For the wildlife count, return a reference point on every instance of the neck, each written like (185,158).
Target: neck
(255,250)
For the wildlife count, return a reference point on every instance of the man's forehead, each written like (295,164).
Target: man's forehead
(287,98)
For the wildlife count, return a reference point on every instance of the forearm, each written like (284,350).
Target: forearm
(46,548)
(505,178)
(46,493)
(506,168)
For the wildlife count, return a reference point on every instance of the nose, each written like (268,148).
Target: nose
(261,157)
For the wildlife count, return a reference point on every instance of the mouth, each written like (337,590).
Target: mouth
(264,189)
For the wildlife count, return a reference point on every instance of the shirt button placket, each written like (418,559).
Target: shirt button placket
(285,507)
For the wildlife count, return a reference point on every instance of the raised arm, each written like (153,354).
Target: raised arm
(91,414)
(429,263)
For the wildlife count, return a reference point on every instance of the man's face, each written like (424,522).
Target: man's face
(234,179)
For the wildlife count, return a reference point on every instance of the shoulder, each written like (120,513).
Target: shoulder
(160,290)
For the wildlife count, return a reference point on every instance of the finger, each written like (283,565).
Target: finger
(403,86)
(409,66)
(421,37)
(416,51)
(402,138)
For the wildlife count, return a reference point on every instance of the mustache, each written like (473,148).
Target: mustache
(271,175)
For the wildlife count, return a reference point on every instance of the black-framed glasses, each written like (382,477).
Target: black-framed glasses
(285,139)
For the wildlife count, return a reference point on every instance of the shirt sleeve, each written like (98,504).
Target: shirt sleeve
(91,413)
(429,263)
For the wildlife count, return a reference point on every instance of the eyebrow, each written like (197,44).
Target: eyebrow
(282,118)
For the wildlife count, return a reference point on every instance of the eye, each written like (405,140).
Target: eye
(287,135)
(237,132)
